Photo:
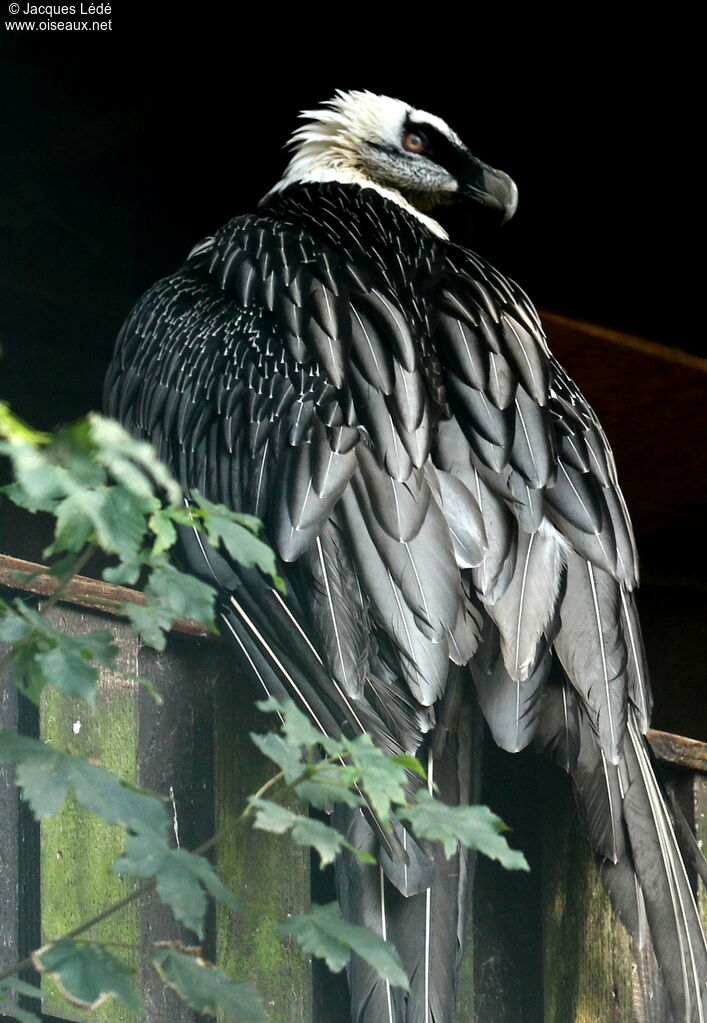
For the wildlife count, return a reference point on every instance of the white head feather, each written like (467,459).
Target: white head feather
(331,146)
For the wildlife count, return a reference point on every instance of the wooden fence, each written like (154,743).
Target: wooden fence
(545,946)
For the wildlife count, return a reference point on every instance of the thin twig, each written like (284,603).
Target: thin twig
(147,886)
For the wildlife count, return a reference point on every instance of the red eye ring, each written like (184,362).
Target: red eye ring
(414,142)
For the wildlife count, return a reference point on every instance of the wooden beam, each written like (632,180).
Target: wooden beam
(82,591)
(556,323)
(678,751)
(97,595)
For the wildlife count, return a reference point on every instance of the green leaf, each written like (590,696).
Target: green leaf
(20,987)
(206,988)
(125,457)
(149,621)
(71,664)
(74,526)
(16,494)
(410,763)
(382,779)
(48,656)
(472,826)
(87,974)
(13,626)
(16,431)
(325,783)
(170,594)
(281,753)
(142,856)
(181,595)
(235,532)
(324,933)
(113,515)
(38,482)
(297,728)
(67,668)
(46,775)
(180,890)
(8,1008)
(305,831)
(12,1011)
(329,784)
(27,673)
(162,525)
(181,878)
(125,573)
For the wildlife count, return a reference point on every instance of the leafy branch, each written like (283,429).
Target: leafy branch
(108,492)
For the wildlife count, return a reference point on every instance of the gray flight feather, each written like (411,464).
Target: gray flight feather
(592,648)
(524,611)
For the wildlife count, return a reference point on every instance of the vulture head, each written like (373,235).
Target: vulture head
(410,155)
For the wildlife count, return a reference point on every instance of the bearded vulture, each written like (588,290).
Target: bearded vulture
(446,512)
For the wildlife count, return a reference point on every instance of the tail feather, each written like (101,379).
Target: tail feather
(366,899)
(427,927)
(632,834)
(672,913)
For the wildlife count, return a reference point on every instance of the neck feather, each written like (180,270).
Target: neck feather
(298,175)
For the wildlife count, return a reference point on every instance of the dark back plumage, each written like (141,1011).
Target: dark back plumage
(447,511)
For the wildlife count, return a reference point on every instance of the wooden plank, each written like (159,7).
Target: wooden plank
(11,843)
(268,872)
(176,761)
(678,750)
(77,848)
(587,953)
(19,846)
(82,592)
(9,832)
(507,905)
(689,790)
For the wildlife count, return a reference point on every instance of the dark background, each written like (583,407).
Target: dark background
(119,150)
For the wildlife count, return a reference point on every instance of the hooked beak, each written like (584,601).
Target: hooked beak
(490,187)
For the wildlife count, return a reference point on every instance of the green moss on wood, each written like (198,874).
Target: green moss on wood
(269,874)
(587,953)
(77,848)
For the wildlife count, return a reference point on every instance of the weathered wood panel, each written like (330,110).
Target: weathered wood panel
(164,748)
(77,848)
(507,911)
(587,966)
(20,922)
(9,830)
(176,761)
(678,751)
(546,947)
(270,874)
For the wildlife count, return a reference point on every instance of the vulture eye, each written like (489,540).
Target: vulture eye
(415,142)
